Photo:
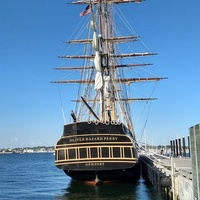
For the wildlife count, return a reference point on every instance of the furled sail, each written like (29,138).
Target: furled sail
(97,57)
(98,78)
(107,64)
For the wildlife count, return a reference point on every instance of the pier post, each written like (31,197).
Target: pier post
(158,182)
(173,178)
(195,156)
(189,145)
(154,178)
(184,152)
(179,144)
(176,147)
(149,173)
(171,145)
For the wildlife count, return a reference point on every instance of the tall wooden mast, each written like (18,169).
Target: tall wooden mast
(100,30)
(106,63)
(110,100)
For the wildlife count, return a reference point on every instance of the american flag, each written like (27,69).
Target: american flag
(85,11)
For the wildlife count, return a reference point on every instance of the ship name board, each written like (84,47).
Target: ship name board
(94,164)
(87,139)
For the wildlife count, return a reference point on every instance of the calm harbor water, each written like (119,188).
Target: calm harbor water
(34,177)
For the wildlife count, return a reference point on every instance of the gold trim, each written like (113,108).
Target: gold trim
(87,153)
(94,143)
(80,147)
(65,153)
(90,143)
(121,152)
(99,156)
(111,150)
(104,161)
(102,134)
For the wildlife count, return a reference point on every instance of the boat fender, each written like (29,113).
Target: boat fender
(113,122)
(116,123)
(89,122)
(96,122)
(165,181)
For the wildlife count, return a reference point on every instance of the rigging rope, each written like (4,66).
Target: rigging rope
(130,27)
(63,114)
(147,113)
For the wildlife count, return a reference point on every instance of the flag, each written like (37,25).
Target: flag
(85,11)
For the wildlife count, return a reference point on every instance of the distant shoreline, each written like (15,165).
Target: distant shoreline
(6,152)
(38,149)
(2,153)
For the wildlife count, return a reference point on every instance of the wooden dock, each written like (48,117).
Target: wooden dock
(178,177)
(171,176)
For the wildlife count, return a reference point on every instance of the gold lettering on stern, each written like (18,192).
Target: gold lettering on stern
(88,139)
(77,139)
(94,164)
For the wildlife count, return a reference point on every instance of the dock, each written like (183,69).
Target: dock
(176,176)
(170,176)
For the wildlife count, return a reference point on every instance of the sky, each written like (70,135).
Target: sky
(31,37)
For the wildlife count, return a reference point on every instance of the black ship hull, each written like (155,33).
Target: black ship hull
(97,152)
(120,175)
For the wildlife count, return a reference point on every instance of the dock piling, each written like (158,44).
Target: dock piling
(176,140)
(195,155)
(184,150)
(188,146)
(179,144)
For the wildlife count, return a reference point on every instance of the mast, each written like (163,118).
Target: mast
(107,70)
(113,66)
(99,13)
(102,76)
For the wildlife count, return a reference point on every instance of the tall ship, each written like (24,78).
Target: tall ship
(99,143)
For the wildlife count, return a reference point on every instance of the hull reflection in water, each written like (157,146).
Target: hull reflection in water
(111,191)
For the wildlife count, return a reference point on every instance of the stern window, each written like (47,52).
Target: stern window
(72,154)
(105,152)
(61,155)
(127,152)
(83,153)
(116,152)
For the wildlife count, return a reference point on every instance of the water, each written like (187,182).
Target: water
(34,177)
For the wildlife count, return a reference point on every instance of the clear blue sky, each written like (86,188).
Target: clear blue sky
(31,37)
